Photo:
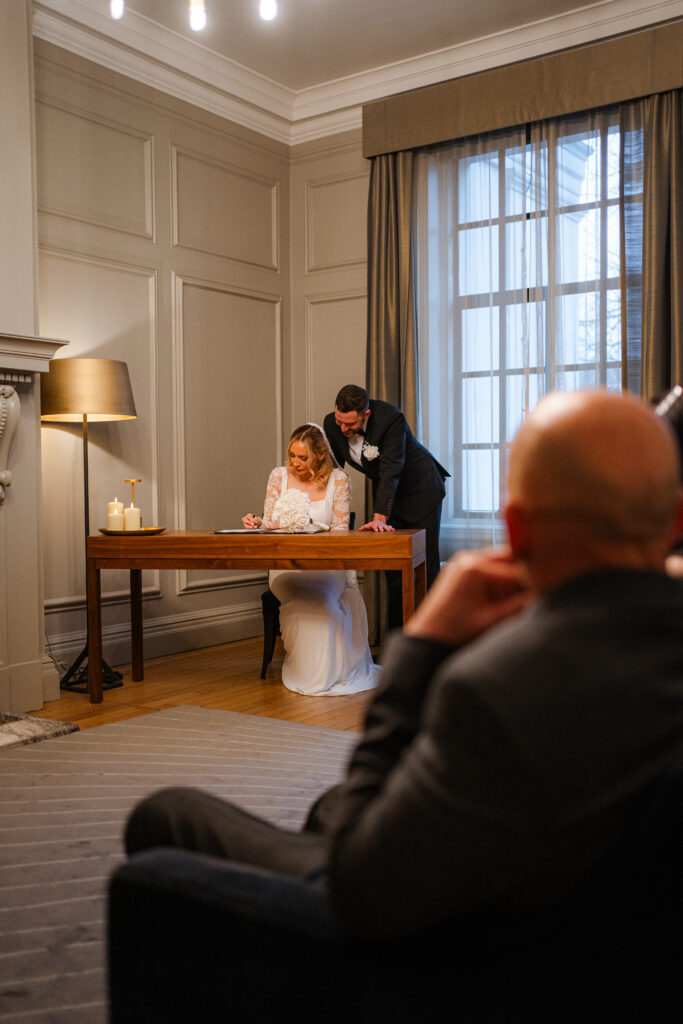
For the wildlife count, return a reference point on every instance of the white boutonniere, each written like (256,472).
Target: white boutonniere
(370,451)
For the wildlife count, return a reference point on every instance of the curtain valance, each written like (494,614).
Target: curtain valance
(597,75)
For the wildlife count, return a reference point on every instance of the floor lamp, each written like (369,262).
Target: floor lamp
(86,391)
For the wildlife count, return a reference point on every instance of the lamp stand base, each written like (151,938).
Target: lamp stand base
(75,679)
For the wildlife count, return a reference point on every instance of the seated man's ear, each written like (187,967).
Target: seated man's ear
(517,522)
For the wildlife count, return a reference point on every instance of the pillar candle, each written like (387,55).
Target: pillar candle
(115,519)
(131,518)
(115,506)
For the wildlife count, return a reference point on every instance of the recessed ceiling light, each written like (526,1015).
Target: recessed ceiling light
(268,9)
(197,15)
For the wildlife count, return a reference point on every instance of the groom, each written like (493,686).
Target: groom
(407,481)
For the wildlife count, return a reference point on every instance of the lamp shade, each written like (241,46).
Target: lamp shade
(98,388)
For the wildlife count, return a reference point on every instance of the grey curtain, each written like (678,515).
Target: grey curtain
(391,370)
(662,343)
(391,357)
(652,249)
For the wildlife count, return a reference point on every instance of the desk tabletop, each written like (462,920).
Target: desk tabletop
(207,544)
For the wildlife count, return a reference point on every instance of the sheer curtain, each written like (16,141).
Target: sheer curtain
(518,252)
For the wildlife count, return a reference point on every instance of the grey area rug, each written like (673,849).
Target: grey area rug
(62,808)
(18,730)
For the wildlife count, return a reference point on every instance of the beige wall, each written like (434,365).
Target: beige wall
(25,679)
(229,273)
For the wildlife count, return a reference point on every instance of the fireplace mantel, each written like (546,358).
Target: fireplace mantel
(22,355)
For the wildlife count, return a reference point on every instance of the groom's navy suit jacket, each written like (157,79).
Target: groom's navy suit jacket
(407,481)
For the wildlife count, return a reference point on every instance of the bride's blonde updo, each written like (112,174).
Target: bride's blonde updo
(314,440)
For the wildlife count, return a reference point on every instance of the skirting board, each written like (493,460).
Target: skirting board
(168,635)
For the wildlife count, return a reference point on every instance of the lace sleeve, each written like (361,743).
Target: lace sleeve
(341,499)
(273,491)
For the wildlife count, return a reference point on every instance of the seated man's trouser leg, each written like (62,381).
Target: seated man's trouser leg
(193,820)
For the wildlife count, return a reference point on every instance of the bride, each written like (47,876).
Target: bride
(323,620)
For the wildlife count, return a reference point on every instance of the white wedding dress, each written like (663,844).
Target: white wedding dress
(323,620)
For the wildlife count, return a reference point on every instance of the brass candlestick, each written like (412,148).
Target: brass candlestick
(132,480)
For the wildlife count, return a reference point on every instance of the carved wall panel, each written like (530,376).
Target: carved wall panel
(9,421)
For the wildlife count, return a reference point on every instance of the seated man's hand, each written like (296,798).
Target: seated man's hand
(674,565)
(474,591)
(378,524)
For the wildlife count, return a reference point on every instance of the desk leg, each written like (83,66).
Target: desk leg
(137,653)
(408,581)
(94,593)
(420,582)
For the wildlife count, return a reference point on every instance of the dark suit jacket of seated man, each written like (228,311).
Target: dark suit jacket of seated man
(532,698)
(407,481)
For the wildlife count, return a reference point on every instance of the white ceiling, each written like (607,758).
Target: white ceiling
(306,73)
(316,41)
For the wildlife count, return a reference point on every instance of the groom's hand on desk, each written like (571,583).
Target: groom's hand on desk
(378,524)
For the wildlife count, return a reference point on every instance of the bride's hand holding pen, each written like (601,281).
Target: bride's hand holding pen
(252,522)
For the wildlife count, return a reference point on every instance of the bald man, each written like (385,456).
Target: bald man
(535,693)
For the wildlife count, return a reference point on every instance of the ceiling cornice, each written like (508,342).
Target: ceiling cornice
(167,61)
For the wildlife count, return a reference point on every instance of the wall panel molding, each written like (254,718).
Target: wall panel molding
(343,300)
(138,440)
(246,425)
(231,231)
(115,152)
(196,581)
(55,605)
(336,235)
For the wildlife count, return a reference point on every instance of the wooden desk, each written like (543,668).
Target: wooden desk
(198,549)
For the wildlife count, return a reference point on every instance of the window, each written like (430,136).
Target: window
(517,245)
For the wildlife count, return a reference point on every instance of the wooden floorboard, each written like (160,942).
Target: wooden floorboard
(224,677)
